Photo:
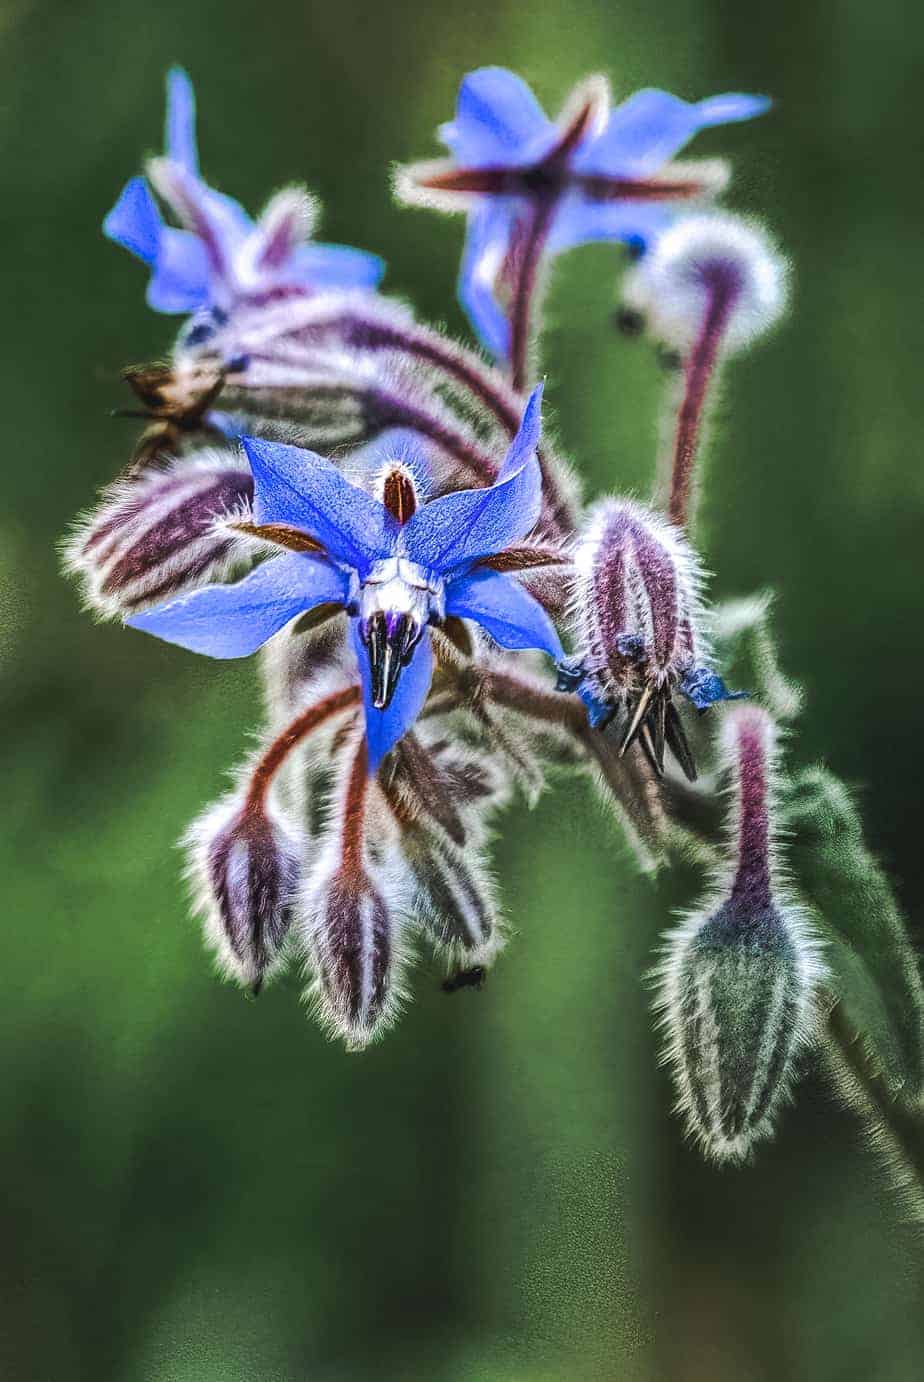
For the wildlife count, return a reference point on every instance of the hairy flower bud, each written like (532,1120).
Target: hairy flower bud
(156,535)
(353,940)
(453,897)
(638,629)
(705,262)
(352,915)
(737,977)
(244,865)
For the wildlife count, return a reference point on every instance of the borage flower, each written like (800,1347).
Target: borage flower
(394,566)
(638,615)
(532,186)
(222,257)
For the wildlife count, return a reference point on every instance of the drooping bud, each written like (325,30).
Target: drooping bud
(353,939)
(158,534)
(737,977)
(453,897)
(441,800)
(711,262)
(638,630)
(351,921)
(244,866)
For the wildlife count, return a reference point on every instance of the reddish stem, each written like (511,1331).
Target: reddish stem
(354,811)
(303,725)
(753,873)
(700,368)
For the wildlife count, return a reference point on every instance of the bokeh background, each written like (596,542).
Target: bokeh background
(197,1188)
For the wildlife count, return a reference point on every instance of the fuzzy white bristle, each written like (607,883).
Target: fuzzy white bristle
(672,285)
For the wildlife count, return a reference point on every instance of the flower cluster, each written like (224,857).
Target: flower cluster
(375,507)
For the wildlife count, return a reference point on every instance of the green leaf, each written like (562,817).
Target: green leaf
(873,970)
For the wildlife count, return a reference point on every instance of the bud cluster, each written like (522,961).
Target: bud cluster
(411,586)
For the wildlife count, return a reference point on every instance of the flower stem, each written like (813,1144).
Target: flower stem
(628,780)
(698,374)
(752,877)
(303,725)
(524,293)
(354,811)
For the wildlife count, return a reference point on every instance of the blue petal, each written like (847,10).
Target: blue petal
(459,528)
(733,106)
(651,126)
(703,688)
(599,711)
(487,241)
(524,445)
(299,487)
(135,221)
(385,727)
(497,119)
(180,131)
(235,620)
(336,266)
(505,610)
(180,281)
(580,221)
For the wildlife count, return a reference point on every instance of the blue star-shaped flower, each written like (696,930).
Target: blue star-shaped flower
(534,186)
(222,256)
(395,567)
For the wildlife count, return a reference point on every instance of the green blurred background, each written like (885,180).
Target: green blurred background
(197,1188)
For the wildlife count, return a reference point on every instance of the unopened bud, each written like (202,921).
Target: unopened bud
(453,897)
(353,940)
(703,263)
(737,978)
(244,865)
(157,535)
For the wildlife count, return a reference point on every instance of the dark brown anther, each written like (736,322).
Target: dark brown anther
(678,743)
(399,494)
(639,715)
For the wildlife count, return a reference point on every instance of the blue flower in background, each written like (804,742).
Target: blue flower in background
(531,186)
(222,256)
(395,567)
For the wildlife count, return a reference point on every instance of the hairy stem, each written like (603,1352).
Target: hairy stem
(752,877)
(298,730)
(354,811)
(629,780)
(526,283)
(700,368)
